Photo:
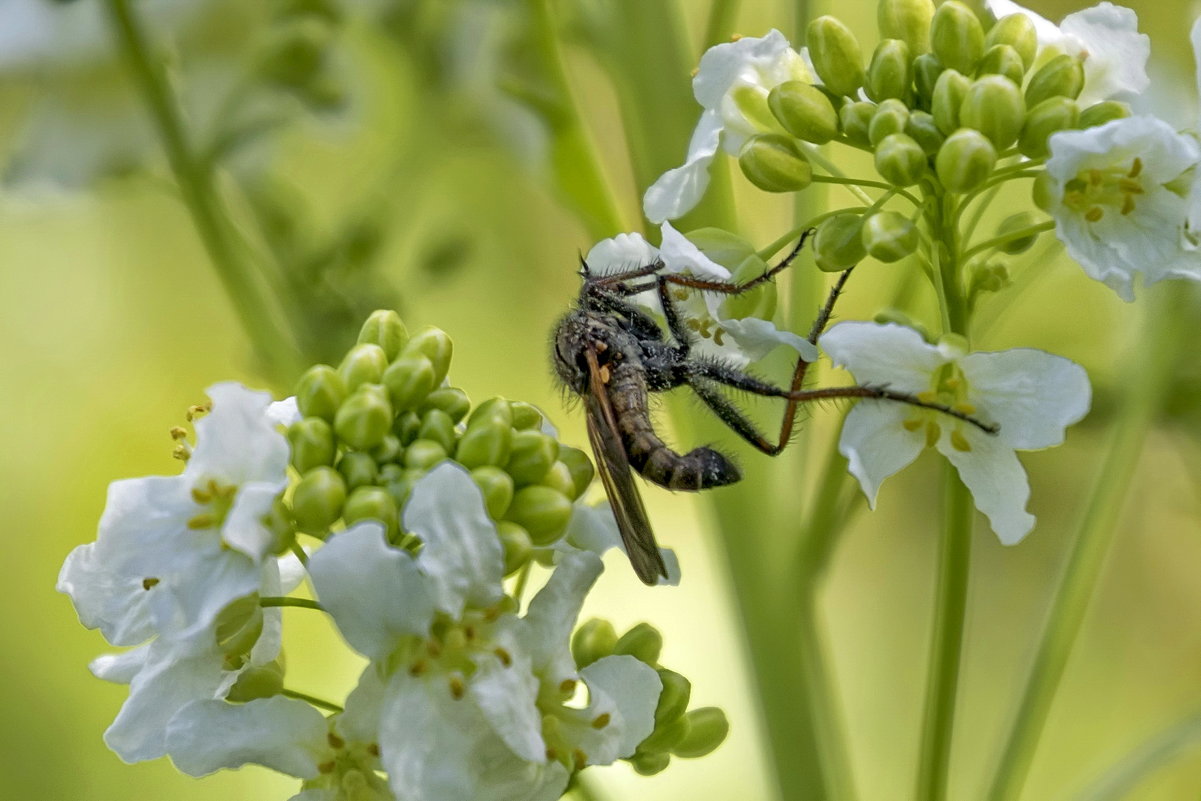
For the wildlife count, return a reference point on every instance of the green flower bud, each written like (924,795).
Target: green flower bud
(805,111)
(890,118)
(541,511)
(436,425)
(891,71)
(666,736)
(889,236)
(495,410)
(484,443)
(956,36)
(517,545)
(558,477)
(1103,112)
(451,400)
(1043,192)
(497,487)
(279,522)
(320,392)
(389,473)
(406,427)
(371,503)
(838,245)
(775,163)
(673,701)
(385,328)
(312,442)
(643,642)
(854,118)
(358,469)
(990,277)
(317,500)
(295,52)
(1062,76)
(907,20)
(580,466)
(900,160)
(423,454)
(648,764)
(239,625)
(363,364)
(525,415)
(435,345)
(922,129)
(1012,224)
(966,159)
(949,91)
(994,107)
(893,315)
(1016,31)
(594,640)
(410,379)
(389,450)
(926,69)
(758,302)
(365,418)
(257,681)
(400,483)
(724,247)
(1002,60)
(836,55)
(708,728)
(1052,115)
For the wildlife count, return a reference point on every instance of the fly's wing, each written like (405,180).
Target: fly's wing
(614,468)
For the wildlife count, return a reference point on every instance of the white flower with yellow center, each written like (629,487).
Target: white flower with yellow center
(1030,394)
(731,84)
(1119,196)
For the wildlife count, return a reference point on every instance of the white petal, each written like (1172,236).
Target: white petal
(243,528)
(725,64)
(627,690)
(680,255)
(1033,395)
(1116,53)
(284,412)
(620,254)
(116,604)
(876,444)
(280,733)
(887,354)
(756,338)
(204,579)
(593,528)
(236,442)
(361,716)
(375,593)
(507,694)
(997,481)
(552,614)
(120,668)
(427,741)
(462,554)
(678,190)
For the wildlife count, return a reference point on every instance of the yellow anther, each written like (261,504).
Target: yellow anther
(952,383)
(1127,204)
(912,424)
(551,753)
(680,294)
(567,686)
(457,688)
(694,72)
(326,767)
(1094,214)
(335,741)
(1130,186)
(959,442)
(491,613)
(201,496)
(373,749)
(933,432)
(469,633)
(1136,167)
(1095,176)
(147,583)
(580,759)
(418,667)
(734,37)
(201,521)
(965,408)
(927,396)
(717,336)
(433,648)
(178,432)
(505,658)
(182,452)
(601,720)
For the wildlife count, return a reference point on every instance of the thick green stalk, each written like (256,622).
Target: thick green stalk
(199,194)
(946,642)
(1152,362)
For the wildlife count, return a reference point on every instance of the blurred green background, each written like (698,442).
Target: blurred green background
(113,322)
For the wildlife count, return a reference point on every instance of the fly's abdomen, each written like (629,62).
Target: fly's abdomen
(700,468)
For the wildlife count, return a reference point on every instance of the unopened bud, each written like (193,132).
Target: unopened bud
(991,277)
(891,71)
(648,763)
(385,328)
(517,545)
(836,55)
(363,364)
(838,245)
(594,640)
(525,415)
(926,69)
(492,410)
(890,118)
(1012,224)
(956,36)
(312,443)
(643,642)
(1001,59)
(388,450)
(666,736)
(497,488)
(854,119)
(966,159)
(922,129)
(907,20)
(1017,31)
(558,478)
(900,160)
(365,418)
(1044,193)
(541,511)
(484,443)
(400,483)
(889,236)
(320,392)
(409,380)
(436,425)
(898,317)
(673,700)
(317,500)
(580,466)
(423,454)
(805,111)
(451,400)
(775,163)
(1052,115)
(406,427)
(1062,76)
(1103,112)
(238,626)
(949,91)
(436,346)
(708,729)
(358,469)
(371,503)
(994,107)
(257,681)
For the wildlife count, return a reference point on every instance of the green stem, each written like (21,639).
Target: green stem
(311,699)
(1021,233)
(866,198)
(946,643)
(303,603)
(1132,770)
(199,193)
(1153,360)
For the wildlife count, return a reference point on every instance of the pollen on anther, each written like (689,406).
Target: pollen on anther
(1127,204)
(457,688)
(326,767)
(201,521)
(433,648)
(335,741)
(373,749)
(201,496)
(503,656)
(417,668)
(601,720)
(580,759)
(551,753)
(147,583)
(959,442)
(1094,214)
(1136,167)
(567,685)
(912,424)
(178,432)
(933,432)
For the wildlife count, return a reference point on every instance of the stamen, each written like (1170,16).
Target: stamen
(959,442)
(933,432)
(1094,214)
(964,407)
(503,656)
(178,432)
(1136,167)
(326,767)
(567,686)
(201,521)
(912,424)
(1127,204)
(433,648)
(601,720)
(717,336)
(335,741)
(551,753)
(580,759)
(373,749)
(147,583)
(418,667)
(201,496)
(457,688)
(182,452)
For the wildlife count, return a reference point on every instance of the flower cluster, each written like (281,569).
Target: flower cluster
(419,507)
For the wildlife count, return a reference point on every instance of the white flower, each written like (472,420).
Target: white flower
(172,552)
(1105,37)
(1118,198)
(1032,395)
(738,341)
(731,84)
